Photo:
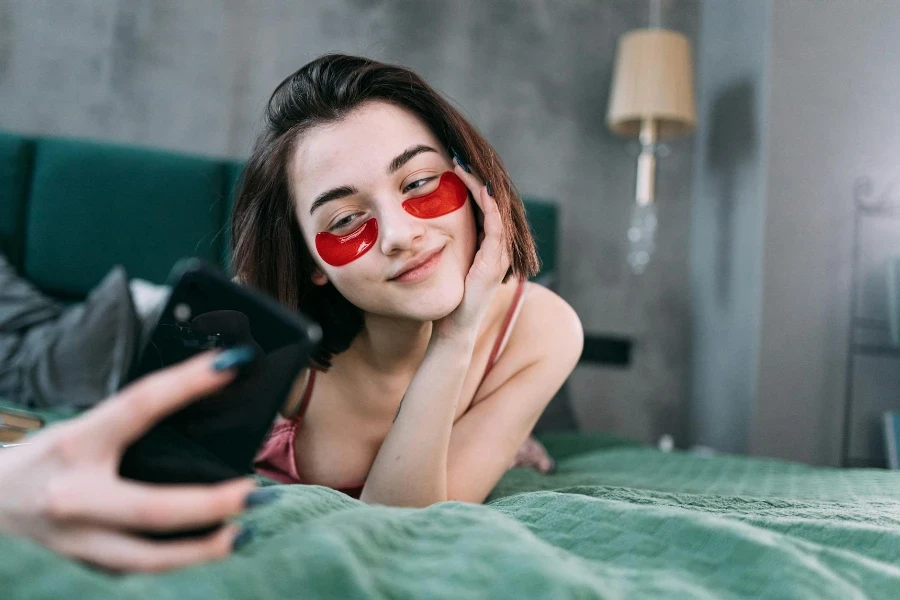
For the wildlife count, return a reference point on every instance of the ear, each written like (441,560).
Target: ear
(319,278)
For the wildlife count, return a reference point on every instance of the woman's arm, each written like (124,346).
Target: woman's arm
(426,458)
(542,352)
(411,466)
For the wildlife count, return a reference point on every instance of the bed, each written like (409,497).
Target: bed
(616,520)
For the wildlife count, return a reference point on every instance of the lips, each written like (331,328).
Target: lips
(427,260)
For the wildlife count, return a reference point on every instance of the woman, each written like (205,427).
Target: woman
(438,357)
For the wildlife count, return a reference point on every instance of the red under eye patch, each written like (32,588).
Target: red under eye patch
(451,194)
(338,250)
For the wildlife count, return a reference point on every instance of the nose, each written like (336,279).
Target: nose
(398,230)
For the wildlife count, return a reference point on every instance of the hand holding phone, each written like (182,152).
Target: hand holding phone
(62,488)
(217,437)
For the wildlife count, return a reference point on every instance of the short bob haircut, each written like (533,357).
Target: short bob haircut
(268,251)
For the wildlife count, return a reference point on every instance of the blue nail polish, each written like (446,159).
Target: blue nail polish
(460,160)
(234,358)
(244,537)
(490,190)
(261,497)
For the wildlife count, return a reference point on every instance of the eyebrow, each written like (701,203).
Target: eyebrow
(332,194)
(348,190)
(405,156)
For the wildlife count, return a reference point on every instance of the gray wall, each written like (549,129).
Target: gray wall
(193,75)
(804,97)
(833,117)
(727,220)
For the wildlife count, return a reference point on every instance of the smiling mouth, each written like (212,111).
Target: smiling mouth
(421,271)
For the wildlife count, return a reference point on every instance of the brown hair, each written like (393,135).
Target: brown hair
(268,251)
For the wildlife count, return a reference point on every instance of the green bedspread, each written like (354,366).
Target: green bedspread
(616,520)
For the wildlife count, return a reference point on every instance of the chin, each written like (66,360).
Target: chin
(433,300)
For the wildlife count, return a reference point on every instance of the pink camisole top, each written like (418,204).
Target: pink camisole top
(276,459)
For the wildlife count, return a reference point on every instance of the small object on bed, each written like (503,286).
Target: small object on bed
(666,443)
(22,419)
(4,445)
(15,425)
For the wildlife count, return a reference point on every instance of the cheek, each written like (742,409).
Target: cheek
(466,234)
(340,250)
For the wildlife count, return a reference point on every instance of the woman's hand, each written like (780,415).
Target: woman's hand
(63,489)
(488,268)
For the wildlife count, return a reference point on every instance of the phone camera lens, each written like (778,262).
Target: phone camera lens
(182,312)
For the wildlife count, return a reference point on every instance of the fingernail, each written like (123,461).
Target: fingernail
(552,469)
(490,190)
(262,496)
(460,161)
(244,537)
(234,358)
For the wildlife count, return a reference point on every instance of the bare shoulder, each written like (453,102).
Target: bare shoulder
(547,337)
(548,326)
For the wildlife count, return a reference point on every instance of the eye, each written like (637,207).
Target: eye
(418,183)
(343,222)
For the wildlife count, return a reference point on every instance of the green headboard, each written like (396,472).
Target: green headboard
(71,209)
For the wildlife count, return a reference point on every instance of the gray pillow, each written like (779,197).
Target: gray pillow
(57,356)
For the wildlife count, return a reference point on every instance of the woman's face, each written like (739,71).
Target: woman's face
(365,167)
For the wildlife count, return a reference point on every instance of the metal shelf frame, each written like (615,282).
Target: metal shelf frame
(885,205)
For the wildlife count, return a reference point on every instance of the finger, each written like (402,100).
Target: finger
(149,507)
(124,417)
(491,241)
(493,223)
(494,235)
(472,182)
(125,552)
(482,198)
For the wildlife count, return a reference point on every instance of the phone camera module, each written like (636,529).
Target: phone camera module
(182,312)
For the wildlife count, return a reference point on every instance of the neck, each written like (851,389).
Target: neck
(391,345)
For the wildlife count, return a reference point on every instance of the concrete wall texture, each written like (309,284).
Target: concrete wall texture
(797,102)
(833,118)
(730,167)
(193,75)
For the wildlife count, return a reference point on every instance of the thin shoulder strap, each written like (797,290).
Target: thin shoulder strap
(304,398)
(511,315)
(307,394)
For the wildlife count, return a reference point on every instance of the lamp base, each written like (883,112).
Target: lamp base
(642,236)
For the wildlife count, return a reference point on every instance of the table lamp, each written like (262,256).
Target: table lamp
(652,99)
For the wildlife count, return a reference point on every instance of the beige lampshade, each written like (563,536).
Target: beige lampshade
(653,79)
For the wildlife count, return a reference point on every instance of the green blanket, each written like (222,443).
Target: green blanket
(616,520)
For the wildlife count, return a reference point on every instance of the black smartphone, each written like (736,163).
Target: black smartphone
(216,437)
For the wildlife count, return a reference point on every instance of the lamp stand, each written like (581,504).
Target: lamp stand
(642,232)
(646,167)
